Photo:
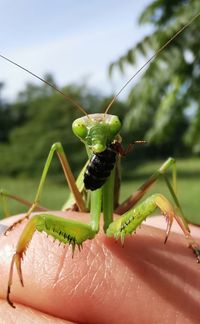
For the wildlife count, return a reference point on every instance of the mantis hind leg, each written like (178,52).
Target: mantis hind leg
(129,222)
(57,147)
(5,195)
(161,172)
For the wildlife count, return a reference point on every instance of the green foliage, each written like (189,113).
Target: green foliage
(6,118)
(40,118)
(163,101)
(6,122)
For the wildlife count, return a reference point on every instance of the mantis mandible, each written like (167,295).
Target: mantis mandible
(95,189)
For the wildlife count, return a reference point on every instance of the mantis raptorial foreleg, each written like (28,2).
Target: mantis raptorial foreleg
(56,147)
(64,230)
(129,222)
(160,173)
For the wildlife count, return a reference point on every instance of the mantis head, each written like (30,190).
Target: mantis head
(97,131)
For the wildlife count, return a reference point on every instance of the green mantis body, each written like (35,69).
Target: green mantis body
(97,132)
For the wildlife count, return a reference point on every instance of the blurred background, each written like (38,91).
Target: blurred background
(89,50)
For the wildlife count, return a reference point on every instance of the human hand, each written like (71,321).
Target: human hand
(143,282)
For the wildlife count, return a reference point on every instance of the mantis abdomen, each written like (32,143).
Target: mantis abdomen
(100,167)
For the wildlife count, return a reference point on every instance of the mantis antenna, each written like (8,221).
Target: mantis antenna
(76,104)
(154,56)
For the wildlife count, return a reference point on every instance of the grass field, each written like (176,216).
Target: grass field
(55,193)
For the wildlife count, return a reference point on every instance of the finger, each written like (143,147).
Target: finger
(26,315)
(160,222)
(146,281)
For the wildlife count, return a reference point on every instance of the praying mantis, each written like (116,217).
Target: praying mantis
(96,188)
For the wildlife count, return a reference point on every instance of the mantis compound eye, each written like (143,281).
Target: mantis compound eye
(114,125)
(79,129)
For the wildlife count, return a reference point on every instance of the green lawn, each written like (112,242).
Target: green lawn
(55,193)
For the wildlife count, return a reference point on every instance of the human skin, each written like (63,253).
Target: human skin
(143,282)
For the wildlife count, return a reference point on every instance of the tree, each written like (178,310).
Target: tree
(6,118)
(165,102)
(43,117)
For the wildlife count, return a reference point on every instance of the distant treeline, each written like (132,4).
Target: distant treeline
(39,117)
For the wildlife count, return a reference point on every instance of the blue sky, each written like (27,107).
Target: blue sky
(73,40)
